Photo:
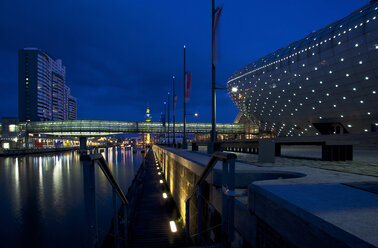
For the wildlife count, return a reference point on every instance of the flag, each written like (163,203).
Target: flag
(188,83)
(217,14)
(174,102)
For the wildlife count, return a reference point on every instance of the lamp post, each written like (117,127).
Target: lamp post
(174,109)
(168,117)
(184,144)
(165,116)
(213,135)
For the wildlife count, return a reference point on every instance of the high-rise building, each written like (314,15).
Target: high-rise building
(42,91)
(72,108)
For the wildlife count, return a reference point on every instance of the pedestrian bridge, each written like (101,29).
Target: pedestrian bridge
(101,128)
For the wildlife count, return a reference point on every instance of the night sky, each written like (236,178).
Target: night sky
(119,55)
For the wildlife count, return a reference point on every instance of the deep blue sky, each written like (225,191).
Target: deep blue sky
(119,55)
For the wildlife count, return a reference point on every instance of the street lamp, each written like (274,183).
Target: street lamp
(168,117)
(165,116)
(174,109)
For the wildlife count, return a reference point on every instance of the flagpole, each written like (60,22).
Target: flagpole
(184,144)
(168,118)
(213,135)
(165,117)
(174,109)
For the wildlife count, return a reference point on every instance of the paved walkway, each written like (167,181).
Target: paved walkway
(365,162)
(153,213)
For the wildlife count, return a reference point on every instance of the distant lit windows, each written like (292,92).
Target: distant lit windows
(12,128)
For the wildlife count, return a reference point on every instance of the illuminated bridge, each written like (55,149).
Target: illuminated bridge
(102,128)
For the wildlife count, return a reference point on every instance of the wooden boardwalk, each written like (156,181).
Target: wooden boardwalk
(150,227)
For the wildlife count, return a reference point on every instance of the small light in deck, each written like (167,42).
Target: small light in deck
(159,173)
(234,89)
(158,167)
(161,181)
(165,195)
(173,226)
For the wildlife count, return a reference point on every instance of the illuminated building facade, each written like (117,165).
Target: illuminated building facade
(42,90)
(325,83)
(72,108)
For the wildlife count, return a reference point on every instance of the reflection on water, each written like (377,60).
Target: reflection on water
(42,198)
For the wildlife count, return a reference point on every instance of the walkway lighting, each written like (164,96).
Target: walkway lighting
(159,173)
(161,181)
(196,114)
(165,195)
(173,226)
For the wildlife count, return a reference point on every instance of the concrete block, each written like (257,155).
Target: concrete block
(266,151)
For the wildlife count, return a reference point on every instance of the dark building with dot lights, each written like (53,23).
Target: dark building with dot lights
(326,83)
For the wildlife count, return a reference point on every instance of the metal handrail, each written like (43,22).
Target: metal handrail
(228,186)
(109,175)
(217,156)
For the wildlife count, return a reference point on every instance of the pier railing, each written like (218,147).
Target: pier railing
(89,162)
(120,215)
(228,195)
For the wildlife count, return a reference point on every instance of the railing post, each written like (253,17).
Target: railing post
(199,216)
(224,202)
(125,224)
(115,219)
(90,200)
(187,219)
(231,199)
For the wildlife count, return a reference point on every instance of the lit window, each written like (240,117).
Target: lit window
(12,128)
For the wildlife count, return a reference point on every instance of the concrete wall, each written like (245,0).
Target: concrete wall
(264,220)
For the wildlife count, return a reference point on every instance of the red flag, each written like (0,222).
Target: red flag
(188,82)
(217,14)
(174,102)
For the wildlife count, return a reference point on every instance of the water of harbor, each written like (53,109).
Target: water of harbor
(42,198)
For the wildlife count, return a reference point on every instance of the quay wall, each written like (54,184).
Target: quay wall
(260,220)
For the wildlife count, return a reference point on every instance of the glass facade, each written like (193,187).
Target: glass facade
(100,128)
(325,83)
